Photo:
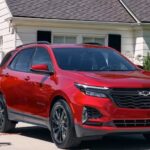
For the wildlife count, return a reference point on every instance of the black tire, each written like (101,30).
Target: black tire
(62,125)
(147,136)
(5,124)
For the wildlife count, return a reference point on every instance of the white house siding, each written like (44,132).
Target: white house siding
(28,34)
(6,31)
(139,44)
(146,35)
(142,43)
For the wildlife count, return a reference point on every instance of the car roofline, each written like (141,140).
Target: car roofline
(88,45)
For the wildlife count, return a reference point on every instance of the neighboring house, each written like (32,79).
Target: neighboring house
(122,24)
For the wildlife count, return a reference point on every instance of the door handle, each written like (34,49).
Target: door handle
(27,78)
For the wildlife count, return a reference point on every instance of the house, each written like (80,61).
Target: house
(121,24)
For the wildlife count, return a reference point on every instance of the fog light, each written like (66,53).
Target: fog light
(84,115)
(90,113)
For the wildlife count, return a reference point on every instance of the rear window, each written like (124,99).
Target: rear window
(7,57)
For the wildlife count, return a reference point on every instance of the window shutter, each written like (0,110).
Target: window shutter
(44,36)
(114,41)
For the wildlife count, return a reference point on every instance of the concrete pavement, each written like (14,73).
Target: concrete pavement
(28,137)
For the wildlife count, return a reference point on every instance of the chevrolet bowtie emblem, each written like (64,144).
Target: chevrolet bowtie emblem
(144,93)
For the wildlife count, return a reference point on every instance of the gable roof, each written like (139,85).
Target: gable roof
(140,8)
(82,10)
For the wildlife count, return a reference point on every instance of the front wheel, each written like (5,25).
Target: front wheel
(62,126)
(147,136)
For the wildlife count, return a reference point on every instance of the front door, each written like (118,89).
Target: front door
(41,85)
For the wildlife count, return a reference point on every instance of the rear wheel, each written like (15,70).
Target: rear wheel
(147,136)
(5,124)
(62,126)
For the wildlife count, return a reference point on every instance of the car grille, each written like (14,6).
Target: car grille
(132,123)
(130,98)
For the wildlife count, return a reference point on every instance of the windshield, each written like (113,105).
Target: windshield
(91,59)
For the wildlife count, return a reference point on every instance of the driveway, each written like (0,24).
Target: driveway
(28,137)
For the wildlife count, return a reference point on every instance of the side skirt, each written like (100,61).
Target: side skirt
(14,115)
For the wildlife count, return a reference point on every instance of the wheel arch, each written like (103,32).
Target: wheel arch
(63,97)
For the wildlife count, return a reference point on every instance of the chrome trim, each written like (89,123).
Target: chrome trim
(92,87)
(144,93)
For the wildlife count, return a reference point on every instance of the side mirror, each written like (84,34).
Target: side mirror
(41,68)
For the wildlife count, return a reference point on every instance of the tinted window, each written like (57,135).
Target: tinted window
(7,57)
(22,60)
(41,57)
(91,59)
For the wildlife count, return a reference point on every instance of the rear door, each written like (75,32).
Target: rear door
(15,77)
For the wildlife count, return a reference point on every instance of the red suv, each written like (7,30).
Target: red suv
(76,91)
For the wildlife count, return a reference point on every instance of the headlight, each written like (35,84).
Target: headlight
(92,90)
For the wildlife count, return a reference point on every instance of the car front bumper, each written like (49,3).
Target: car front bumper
(95,132)
(110,113)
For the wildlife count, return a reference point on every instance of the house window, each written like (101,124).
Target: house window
(98,40)
(64,39)
(44,36)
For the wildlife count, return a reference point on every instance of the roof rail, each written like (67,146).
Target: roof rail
(38,42)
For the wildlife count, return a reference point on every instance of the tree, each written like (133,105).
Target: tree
(146,63)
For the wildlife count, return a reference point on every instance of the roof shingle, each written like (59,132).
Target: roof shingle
(83,10)
(140,8)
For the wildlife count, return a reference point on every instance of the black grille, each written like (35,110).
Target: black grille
(130,98)
(93,113)
(132,123)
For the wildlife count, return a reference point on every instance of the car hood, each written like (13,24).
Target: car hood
(115,79)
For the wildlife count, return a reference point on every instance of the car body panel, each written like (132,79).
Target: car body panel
(129,79)
(32,94)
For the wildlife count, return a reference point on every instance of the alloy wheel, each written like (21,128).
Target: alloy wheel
(59,124)
(2,117)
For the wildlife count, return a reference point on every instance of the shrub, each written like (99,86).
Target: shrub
(146,63)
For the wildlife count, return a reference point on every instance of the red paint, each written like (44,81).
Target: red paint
(42,67)
(31,94)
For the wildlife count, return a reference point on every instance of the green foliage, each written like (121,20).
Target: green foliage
(146,62)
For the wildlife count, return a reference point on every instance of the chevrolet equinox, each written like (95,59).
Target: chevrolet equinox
(78,92)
